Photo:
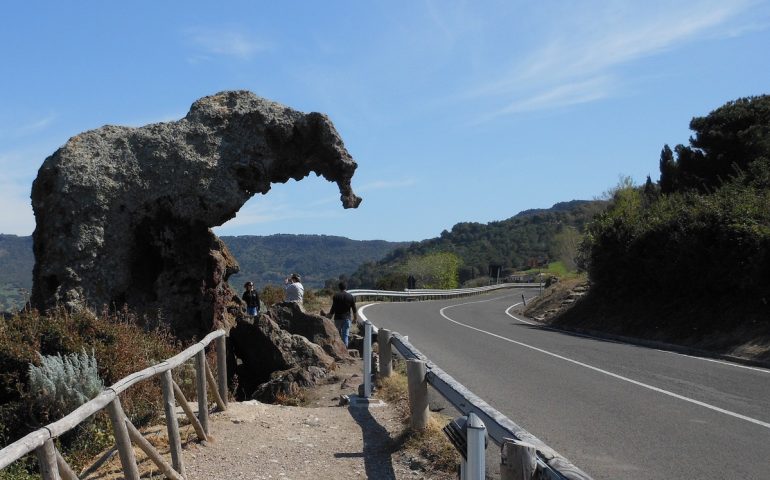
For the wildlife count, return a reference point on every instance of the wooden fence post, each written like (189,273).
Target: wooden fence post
(222,368)
(212,382)
(65,471)
(125,450)
(46,457)
(418,394)
(180,398)
(386,353)
(201,393)
(172,423)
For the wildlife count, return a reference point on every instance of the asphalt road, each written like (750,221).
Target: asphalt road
(614,410)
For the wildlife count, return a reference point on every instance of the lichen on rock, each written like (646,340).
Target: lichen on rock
(124,214)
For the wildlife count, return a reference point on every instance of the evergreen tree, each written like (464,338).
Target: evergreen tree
(668,170)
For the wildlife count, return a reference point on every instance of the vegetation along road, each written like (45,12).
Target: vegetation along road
(615,410)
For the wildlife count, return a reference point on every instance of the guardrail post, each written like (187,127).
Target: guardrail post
(172,423)
(125,450)
(46,457)
(386,353)
(477,432)
(222,368)
(367,359)
(418,393)
(201,393)
(517,462)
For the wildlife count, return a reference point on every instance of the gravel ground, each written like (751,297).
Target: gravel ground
(252,440)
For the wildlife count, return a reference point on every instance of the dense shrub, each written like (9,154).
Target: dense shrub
(120,342)
(684,243)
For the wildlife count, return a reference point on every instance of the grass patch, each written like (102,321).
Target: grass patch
(431,443)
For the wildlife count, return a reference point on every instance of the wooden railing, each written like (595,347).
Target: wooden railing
(53,465)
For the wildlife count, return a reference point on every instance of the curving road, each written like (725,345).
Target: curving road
(614,410)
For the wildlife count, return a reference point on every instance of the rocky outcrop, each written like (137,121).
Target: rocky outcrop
(124,214)
(270,354)
(316,328)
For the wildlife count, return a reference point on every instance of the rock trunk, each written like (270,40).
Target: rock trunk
(124,214)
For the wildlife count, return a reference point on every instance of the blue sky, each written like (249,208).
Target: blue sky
(455,111)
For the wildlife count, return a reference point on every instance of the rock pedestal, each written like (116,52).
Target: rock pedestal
(124,214)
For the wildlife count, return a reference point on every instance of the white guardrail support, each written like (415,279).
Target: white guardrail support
(367,359)
(477,434)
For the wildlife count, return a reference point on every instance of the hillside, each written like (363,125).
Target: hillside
(317,258)
(16,261)
(529,238)
(263,260)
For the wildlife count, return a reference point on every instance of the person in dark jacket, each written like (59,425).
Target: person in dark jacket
(251,298)
(343,306)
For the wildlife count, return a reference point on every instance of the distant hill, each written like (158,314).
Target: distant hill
(263,260)
(528,238)
(16,261)
(317,258)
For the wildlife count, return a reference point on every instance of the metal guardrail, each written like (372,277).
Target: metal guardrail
(430,294)
(519,446)
(53,465)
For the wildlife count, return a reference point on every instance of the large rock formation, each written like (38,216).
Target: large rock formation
(123,214)
(271,355)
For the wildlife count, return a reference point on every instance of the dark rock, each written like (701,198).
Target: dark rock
(264,349)
(317,329)
(123,214)
(288,383)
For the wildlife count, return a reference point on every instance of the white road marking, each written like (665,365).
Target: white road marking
(605,372)
(713,360)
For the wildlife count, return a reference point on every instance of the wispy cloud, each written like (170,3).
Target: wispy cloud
(224,42)
(579,62)
(387,184)
(30,127)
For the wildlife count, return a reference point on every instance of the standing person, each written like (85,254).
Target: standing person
(343,304)
(251,297)
(295,292)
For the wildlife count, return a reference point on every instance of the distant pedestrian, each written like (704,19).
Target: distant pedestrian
(295,292)
(251,298)
(343,305)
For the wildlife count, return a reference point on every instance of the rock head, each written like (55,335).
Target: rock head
(124,214)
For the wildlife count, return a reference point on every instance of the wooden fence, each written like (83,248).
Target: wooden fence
(53,465)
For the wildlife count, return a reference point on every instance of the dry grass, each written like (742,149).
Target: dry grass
(431,443)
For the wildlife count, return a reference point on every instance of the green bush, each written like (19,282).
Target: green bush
(121,344)
(63,382)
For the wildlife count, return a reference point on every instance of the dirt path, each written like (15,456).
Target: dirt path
(252,440)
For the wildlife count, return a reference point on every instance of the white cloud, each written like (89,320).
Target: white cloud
(30,127)
(579,61)
(224,42)
(387,184)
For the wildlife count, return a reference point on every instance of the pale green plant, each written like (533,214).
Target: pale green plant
(62,383)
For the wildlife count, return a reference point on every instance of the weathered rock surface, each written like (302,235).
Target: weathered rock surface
(124,214)
(269,354)
(319,330)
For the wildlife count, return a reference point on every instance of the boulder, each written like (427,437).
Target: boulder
(287,384)
(316,328)
(263,349)
(124,214)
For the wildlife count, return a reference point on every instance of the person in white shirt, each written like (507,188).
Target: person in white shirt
(294,290)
